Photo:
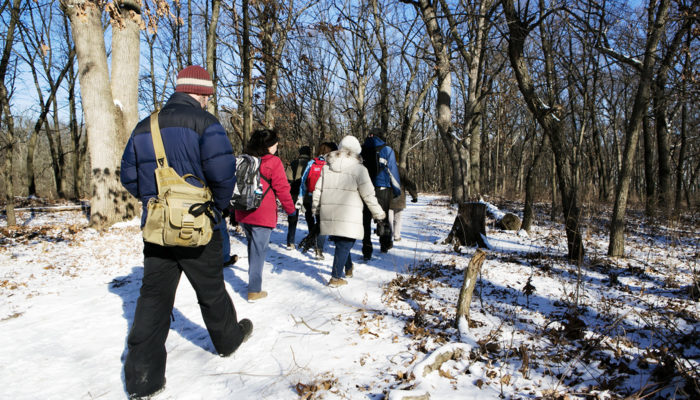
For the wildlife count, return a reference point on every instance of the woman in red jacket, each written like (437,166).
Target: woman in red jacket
(259,223)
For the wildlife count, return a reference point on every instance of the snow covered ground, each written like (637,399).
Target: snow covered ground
(67,298)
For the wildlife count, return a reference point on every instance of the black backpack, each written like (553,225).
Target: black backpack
(370,159)
(248,193)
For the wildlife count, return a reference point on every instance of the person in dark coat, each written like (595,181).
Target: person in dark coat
(308,184)
(398,204)
(195,143)
(380,161)
(294,171)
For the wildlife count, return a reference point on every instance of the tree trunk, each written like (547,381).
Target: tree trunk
(8,134)
(31,147)
(124,86)
(109,202)
(650,182)
(212,107)
(616,247)
(528,214)
(684,127)
(467,290)
(380,35)
(246,60)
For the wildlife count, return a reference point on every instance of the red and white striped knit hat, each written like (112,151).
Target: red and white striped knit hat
(196,80)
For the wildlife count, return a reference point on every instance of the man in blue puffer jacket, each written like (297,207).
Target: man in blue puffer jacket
(380,161)
(195,143)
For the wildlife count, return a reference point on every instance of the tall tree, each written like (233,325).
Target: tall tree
(8,134)
(440,43)
(211,52)
(479,23)
(547,109)
(658,20)
(106,121)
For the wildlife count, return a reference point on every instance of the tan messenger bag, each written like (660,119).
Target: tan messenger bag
(182,213)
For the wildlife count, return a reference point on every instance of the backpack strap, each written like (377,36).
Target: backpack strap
(269,185)
(161,159)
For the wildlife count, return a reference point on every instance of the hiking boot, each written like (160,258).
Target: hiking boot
(319,254)
(232,260)
(253,296)
(335,282)
(397,239)
(139,396)
(246,328)
(348,272)
(291,246)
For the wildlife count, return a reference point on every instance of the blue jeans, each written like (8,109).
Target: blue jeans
(341,258)
(225,241)
(258,241)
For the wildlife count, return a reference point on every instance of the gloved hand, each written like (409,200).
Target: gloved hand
(414,200)
(293,214)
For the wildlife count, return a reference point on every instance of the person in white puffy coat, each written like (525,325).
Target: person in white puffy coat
(341,191)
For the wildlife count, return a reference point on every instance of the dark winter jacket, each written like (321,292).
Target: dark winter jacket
(388,174)
(195,143)
(399,203)
(294,171)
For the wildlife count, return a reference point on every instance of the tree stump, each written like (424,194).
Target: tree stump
(467,290)
(469,225)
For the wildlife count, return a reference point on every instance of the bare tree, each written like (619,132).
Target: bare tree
(658,20)
(41,52)
(211,52)
(547,109)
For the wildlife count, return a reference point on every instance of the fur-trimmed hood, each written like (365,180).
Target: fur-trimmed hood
(343,159)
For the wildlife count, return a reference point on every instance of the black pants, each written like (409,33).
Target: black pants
(144,368)
(384,196)
(292,223)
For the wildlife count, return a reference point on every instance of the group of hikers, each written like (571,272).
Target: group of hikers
(340,191)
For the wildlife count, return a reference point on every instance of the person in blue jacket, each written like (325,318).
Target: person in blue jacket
(380,161)
(195,143)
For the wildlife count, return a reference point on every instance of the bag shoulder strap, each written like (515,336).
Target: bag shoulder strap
(161,159)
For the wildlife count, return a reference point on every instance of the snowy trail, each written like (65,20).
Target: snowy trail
(69,342)
(68,294)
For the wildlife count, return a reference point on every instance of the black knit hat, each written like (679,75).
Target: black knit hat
(305,151)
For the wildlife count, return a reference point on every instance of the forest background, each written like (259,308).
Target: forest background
(583,104)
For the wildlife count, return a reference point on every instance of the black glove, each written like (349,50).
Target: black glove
(414,200)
